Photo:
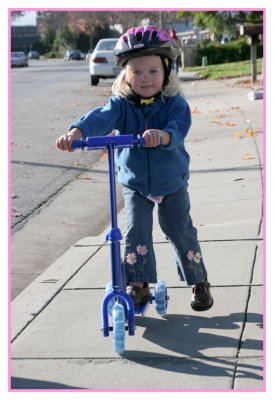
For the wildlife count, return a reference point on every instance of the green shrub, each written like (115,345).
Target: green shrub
(231,52)
(50,54)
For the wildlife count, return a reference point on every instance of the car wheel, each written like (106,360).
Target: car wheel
(94,80)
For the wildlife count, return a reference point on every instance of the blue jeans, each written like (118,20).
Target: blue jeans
(175,222)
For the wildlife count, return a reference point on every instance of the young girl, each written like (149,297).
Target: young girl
(148,103)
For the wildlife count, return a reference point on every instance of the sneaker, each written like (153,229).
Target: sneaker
(139,295)
(201,296)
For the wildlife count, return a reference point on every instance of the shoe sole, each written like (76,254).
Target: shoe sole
(201,309)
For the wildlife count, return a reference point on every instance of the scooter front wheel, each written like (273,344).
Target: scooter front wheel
(118,322)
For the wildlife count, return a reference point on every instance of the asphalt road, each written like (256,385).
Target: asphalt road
(45,98)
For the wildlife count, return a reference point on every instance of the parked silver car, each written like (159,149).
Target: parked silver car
(101,61)
(19,59)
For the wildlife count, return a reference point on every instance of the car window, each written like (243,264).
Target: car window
(107,45)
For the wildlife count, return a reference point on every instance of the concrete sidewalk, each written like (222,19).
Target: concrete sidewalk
(56,338)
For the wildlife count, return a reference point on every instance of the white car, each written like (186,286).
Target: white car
(101,61)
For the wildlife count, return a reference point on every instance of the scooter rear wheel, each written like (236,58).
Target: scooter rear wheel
(161,298)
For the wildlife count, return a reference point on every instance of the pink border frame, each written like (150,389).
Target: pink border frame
(264,200)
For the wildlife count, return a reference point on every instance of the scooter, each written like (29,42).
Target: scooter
(117,304)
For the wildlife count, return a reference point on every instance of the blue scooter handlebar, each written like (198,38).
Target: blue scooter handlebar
(102,142)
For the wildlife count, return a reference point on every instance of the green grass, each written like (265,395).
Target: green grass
(227,70)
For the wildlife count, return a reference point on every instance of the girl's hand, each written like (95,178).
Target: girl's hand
(64,141)
(155,137)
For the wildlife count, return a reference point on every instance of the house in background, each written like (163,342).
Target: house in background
(24,38)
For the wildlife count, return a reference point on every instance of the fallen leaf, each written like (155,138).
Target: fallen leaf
(196,111)
(249,132)
(230,123)
(85,178)
(237,135)
(15,214)
(104,153)
(247,157)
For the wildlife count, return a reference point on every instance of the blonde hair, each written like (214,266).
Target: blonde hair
(121,86)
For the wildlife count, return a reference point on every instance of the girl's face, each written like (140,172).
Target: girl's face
(145,75)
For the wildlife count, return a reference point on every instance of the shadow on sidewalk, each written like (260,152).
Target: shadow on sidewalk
(24,383)
(189,335)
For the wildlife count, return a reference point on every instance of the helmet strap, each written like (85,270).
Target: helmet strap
(167,69)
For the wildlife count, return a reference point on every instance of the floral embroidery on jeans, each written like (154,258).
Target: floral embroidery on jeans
(131,258)
(194,261)
(142,250)
(139,260)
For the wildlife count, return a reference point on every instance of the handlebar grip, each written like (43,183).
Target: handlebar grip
(79,144)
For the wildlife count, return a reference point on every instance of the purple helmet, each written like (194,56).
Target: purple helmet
(143,41)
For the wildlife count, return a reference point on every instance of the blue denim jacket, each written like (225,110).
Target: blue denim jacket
(151,171)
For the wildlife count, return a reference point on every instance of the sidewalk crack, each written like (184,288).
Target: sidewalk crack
(245,319)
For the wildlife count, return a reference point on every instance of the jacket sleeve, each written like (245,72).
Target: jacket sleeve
(178,122)
(100,121)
